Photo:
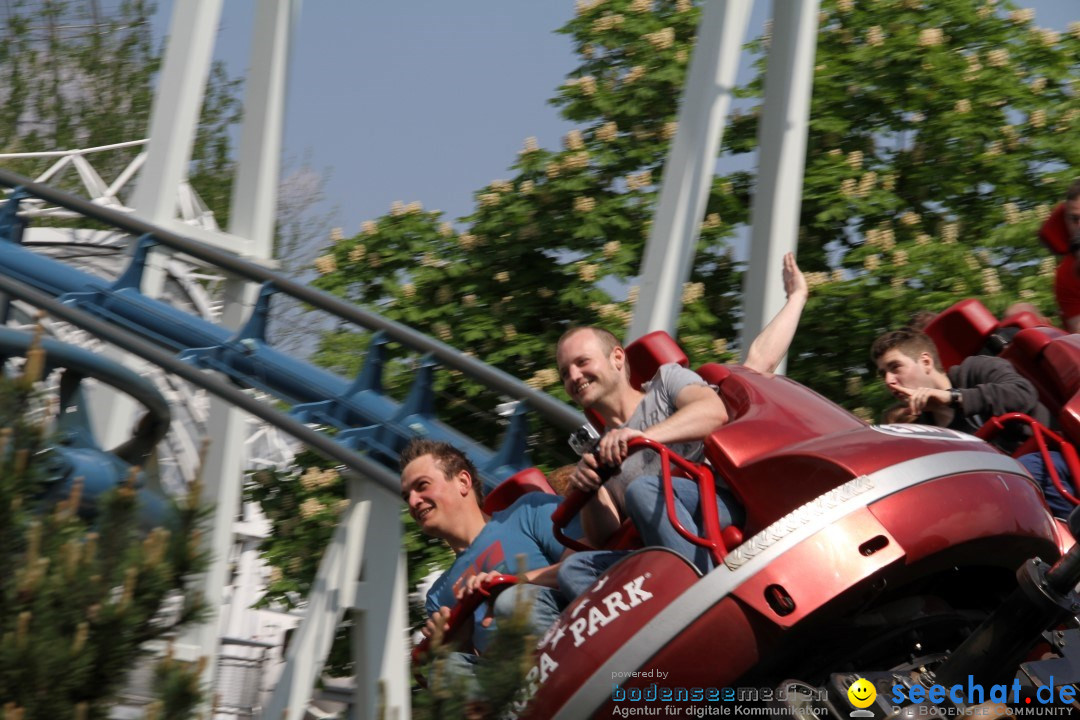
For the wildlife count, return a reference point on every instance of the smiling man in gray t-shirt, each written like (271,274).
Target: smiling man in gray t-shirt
(657,404)
(676,408)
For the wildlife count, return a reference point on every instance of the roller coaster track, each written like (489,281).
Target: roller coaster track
(368,427)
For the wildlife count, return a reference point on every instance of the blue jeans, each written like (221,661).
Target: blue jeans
(1035,465)
(645,506)
(546,604)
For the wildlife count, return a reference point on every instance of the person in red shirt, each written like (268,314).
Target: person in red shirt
(1061,235)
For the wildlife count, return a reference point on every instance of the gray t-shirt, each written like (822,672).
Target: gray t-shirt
(657,405)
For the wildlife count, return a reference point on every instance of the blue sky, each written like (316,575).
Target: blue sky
(429,100)
(409,100)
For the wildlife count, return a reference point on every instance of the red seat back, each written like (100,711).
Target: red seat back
(649,352)
(961,331)
(644,357)
(1061,360)
(1027,353)
(520,483)
(716,374)
(1070,420)
(1025,320)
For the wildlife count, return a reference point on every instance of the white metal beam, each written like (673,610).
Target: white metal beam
(174,120)
(380,616)
(781,161)
(222,474)
(332,592)
(254,198)
(252,219)
(177,105)
(690,167)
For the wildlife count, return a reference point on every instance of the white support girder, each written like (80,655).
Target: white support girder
(781,161)
(90,177)
(689,169)
(194,217)
(254,198)
(361,544)
(222,475)
(380,616)
(175,115)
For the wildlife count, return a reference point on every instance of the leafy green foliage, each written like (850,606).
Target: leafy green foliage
(71,89)
(212,164)
(78,603)
(77,75)
(303,505)
(177,686)
(940,135)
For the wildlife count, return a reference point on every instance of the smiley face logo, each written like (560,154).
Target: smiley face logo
(862,693)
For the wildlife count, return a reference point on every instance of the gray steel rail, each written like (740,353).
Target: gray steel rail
(554,411)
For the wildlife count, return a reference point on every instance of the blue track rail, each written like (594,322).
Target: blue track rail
(371,428)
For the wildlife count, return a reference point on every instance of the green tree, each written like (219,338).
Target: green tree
(938,139)
(80,602)
(76,75)
(559,242)
(940,135)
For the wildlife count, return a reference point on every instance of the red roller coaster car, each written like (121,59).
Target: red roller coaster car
(1046,355)
(866,549)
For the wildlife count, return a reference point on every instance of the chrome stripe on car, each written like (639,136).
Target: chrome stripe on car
(770,543)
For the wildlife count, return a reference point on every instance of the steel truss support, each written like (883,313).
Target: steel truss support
(688,172)
(781,161)
(363,569)
(690,167)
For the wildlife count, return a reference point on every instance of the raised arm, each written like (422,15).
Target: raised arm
(770,347)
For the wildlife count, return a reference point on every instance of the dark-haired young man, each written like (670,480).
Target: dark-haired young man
(965,397)
(441,487)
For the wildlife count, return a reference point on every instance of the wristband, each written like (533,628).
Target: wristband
(956,398)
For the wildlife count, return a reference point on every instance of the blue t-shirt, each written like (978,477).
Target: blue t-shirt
(524,528)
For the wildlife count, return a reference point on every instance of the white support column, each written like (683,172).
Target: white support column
(252,217)
(173,123)
(333,591)
(781,161)
(241,622)
(380,616)
(222,474)
(689,169)
(254,199)
(177,104)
